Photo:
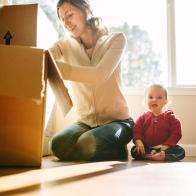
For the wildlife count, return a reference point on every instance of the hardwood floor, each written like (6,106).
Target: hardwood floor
(107,178)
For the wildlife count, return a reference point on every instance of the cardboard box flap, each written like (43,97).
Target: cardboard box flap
(26,25)
(58,86)
(21,22)
(21,71)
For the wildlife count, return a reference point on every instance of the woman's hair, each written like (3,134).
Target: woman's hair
(95,23)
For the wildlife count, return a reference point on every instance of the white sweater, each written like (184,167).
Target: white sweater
(95,81)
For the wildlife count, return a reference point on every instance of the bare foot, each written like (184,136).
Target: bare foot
(153,152)
(157,156)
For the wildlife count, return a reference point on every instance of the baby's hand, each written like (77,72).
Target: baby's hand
(140,147)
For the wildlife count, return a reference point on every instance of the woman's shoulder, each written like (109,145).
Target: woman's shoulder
(64,40)
(58,43)
(118,39)
(117,35)
(64,43)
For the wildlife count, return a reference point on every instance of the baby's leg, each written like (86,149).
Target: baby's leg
(137,156)
(174,153)
(156,156)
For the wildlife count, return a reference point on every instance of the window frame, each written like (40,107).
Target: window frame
(171,49)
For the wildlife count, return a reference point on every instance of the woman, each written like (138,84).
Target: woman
(90,58)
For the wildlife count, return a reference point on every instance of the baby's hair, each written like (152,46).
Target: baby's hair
(157,86)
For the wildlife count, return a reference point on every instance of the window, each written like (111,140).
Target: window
(160,38)
(185,42)
(145,25)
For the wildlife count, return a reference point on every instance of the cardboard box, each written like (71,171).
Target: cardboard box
(24,71)
(21,22)
(22,101)
(23,80)
(26,25)
(22,86)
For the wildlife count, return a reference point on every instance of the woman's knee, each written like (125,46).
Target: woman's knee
(58,146)
(62,144)
(86,145)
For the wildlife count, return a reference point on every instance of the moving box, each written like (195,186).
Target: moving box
(22,104)
(24,70)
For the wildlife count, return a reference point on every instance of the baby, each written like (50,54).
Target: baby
(157,132)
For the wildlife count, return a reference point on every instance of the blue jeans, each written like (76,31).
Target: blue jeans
(174,153)
(82,142)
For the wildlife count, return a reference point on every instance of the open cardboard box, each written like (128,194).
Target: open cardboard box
(20,22)
(24,71)
(23,78)
(22,102)
(26,25)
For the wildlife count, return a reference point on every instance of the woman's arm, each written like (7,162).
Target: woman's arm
(102,71)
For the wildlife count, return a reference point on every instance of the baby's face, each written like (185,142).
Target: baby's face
(156,99)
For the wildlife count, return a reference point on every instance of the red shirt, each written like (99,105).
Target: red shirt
(155,130)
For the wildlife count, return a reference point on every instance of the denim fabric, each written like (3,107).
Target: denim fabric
(174,153)
(105,142)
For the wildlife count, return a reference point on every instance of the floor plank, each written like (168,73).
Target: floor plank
(107,178)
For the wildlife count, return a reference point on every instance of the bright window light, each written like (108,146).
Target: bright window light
(185,42)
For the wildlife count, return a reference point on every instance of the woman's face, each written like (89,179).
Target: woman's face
(73,19)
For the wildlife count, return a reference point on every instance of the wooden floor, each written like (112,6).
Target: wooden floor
(110,178)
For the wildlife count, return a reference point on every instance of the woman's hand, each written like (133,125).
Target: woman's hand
(140,147)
